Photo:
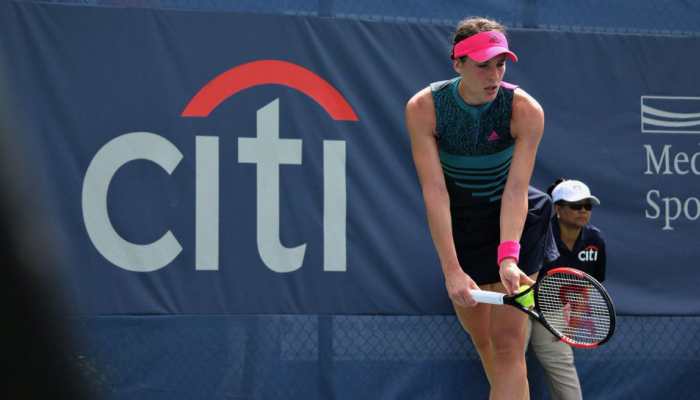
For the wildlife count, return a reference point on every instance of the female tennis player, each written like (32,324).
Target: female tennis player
(474,140)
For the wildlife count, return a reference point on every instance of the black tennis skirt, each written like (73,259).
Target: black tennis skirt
(477,234)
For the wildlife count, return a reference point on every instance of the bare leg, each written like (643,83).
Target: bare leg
(499,335)
(477,321)
(509,331)
(508,334)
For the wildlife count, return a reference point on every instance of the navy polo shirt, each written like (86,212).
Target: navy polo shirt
(588,254)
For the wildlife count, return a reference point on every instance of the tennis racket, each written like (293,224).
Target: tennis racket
(571,304)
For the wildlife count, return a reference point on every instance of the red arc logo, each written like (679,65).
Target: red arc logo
(269,72)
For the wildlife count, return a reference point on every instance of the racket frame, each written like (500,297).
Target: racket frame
(603,292)
(497,298)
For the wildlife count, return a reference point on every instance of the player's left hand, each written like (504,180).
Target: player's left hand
(512,277)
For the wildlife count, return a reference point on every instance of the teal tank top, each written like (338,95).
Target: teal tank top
(475,144)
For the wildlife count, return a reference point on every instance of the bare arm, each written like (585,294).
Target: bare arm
(420,121)
(527,126)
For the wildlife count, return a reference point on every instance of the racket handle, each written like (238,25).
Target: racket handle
(486,296)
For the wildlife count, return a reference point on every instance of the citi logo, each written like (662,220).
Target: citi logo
(590,253)
(267,151)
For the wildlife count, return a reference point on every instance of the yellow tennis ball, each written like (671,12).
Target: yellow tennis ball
(528,300)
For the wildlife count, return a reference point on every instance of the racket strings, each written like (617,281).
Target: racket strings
(575,307)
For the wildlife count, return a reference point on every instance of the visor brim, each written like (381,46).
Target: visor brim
(489,53)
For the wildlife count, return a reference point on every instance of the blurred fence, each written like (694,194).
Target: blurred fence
(312,357)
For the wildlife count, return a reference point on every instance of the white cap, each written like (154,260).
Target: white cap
(573,191)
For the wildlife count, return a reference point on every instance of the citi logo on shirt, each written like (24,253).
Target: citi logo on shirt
(590,253)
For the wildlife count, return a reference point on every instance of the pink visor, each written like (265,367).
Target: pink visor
(483,46)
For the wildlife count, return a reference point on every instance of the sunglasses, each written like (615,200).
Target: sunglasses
(579,206)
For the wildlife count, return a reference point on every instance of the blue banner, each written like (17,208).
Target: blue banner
(207,162)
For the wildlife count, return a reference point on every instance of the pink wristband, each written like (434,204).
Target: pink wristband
(508,249)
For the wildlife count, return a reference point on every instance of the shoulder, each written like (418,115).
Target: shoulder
(527,119)
(592,229)
(421,103)
(593,233)
(420,114)
(525,107)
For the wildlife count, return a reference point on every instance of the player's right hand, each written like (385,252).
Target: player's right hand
(458,285)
